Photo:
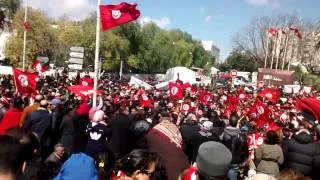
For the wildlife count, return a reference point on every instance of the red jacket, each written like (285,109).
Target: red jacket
(10,119)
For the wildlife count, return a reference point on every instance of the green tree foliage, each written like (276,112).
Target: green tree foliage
(146,48)
(7,11)
(239,62)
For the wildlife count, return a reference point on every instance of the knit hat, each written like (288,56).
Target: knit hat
(213,159)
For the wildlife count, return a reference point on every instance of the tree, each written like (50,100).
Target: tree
(40,39)
(240,62)
(253,39)
(7,11)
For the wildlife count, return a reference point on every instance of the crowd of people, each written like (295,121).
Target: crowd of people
(141,134)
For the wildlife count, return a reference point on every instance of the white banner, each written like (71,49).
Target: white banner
(162,85)
(291,89)
(139,83)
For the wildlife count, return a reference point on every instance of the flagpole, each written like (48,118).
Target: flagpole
(273,52)
(120,73)
(267,51)
(285,50)
(96,57)
(279,47)
(25,37)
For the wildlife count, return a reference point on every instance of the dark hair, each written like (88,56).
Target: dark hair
(11,155)
(17,102)
(272,138)
(201,177)
(141,160)
(104,163)
(233,121)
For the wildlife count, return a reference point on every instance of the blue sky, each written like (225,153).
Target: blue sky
(219,20)
(215,20)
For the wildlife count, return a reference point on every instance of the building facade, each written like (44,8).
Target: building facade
(212,48)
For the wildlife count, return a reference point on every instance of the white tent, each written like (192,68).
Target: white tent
(214,70)
(185,75)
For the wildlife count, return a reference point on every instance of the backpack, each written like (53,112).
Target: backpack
(238,147)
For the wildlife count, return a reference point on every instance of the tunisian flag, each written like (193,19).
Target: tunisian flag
(145,101)
(36,65)
(205,97)
(25,82)
(272,95)
(176,90)
(116,15)
(86,82)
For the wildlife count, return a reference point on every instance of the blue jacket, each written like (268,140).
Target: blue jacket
(78,166)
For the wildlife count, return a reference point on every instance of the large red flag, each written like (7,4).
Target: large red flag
(83,91)
(116,15)
(296,33)
(25,82)
(85,81)
(176,90)
(145,101)
(272,32)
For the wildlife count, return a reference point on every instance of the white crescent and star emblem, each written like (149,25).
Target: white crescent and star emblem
(116,14)
(260,110)
(145,98)
(269,95)
(23,80)
(38,67)
(174,90)
(207,98)
(185,107)
(85,83)
(241,96)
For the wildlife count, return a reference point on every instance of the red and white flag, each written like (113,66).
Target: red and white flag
(26,26)
(186,107)
(296,33)
(205,97)
(176,90)
(36,65)
(25,82)
(85,81)
(145,101)
(116,15)
(272,32)
(272,95)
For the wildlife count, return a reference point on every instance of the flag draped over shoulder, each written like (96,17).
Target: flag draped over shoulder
(116,15)
(25,81)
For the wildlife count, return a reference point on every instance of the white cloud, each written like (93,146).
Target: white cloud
(163,22)
(261,3)
(74,9)
(208,18)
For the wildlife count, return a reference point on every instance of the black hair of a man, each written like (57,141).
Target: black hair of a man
(17,102)
(200,177)
(233,120)
(165,114)
(11,155)
(272,138)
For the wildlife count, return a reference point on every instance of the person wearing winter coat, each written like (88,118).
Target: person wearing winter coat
(269,155)
(165,139)
(99,134)
(300,152)
(12,117)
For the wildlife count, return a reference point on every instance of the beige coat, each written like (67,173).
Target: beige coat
(268,158)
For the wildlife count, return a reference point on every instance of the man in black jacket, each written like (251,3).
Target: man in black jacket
(300,152)
(236,142)
(40,122)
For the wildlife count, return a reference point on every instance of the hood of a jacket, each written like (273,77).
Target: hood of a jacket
(303,138)
(231,131)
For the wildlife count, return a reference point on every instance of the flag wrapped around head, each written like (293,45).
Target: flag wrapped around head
(116,15)
(25,82)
